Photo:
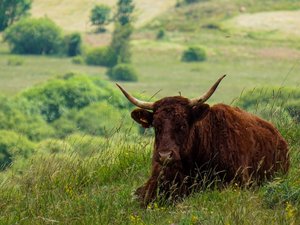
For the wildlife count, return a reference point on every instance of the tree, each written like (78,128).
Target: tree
(119,47)
(12,10)
(100,16)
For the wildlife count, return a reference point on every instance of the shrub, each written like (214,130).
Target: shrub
(86,145)
(18,115)
(293,107)
(193,1)
(99,56)
(13,146)
(123,72)
(79,60)
(73,44)
(160,34)
(57,96)
(15,61)
(54,146)
(34,36)
(98,119)
(193,54)
(287,98)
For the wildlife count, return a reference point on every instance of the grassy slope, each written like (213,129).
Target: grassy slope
(73,15)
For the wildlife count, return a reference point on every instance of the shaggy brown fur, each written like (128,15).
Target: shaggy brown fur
(222,140)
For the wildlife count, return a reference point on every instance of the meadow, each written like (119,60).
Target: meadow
(87,160)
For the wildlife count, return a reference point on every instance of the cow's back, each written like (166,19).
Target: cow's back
(240,143)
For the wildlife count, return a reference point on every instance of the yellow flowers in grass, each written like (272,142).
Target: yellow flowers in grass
(290,213)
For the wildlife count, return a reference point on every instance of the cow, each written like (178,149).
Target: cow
(193,139)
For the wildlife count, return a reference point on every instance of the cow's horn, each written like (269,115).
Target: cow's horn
(207,95)
(133,100)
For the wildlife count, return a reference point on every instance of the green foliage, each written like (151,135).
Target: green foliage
(34,36)
(11,11)
(58,95)
(120,47)
(100,16)
(123,72)
(293,107)
(193,1)
(281,192)
(285,97)
(125,10)
(73,44)
(15,61)
(18,115)
(86,145)
(13,146)
(79,60)
(98,119)
(101,56)
(160,34)
(194,54)
(54,146)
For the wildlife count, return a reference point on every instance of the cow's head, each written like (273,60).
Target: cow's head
(172,119)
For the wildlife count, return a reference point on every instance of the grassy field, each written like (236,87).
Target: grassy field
(97,189)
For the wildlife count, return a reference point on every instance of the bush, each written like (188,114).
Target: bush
(193,1)
(160,34)
(98,119)
(99,56)
(79,60)
(15,61)
(287,98)
(54,146)
(123,72)
(193,54)
(58,96)
(73,44)
(18,115)
(13,146)
(86,145)
(293,107)
(34,36)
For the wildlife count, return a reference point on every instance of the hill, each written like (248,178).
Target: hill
(73,15)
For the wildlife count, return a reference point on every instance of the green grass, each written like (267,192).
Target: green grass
(68,189)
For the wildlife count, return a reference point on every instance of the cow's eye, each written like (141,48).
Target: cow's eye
(158,129)
(181,127)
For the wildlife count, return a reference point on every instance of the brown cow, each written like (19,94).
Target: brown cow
(193,139)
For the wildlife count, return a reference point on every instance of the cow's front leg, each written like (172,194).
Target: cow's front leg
(147,192)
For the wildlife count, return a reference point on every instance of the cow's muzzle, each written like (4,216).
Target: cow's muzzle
(165,157)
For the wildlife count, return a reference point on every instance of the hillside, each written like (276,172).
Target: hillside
(73,15)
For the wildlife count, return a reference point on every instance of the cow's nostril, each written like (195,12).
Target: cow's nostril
(165,156)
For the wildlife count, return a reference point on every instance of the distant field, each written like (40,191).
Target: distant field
(287,22)
(73,15)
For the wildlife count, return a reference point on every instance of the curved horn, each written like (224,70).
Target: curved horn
(133,100)
(207,95)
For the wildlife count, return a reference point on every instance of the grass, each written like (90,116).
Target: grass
(97,189)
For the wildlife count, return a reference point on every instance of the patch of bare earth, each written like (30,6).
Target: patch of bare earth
(278,53)
(283,21)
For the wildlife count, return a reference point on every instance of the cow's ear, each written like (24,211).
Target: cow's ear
(200,111)
(143,117)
